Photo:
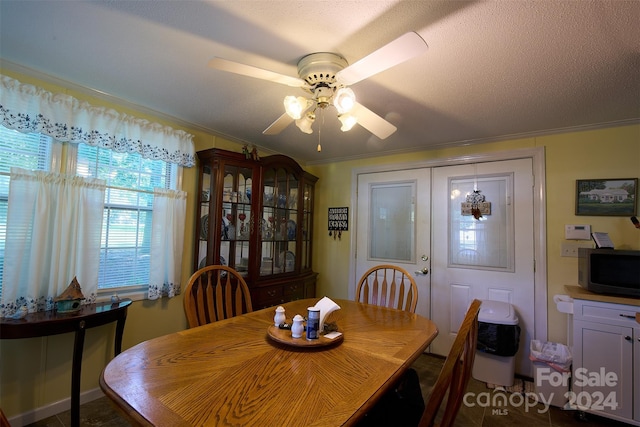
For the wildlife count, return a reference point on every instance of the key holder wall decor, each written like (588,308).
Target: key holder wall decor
(476,203)
(338,221)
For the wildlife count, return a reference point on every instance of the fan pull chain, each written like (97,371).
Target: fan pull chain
(320,129)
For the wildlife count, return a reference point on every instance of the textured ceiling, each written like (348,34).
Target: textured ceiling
(493,69)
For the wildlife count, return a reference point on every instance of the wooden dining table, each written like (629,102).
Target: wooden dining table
(234,373)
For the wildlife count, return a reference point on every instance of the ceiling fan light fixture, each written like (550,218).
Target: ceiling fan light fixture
(304,124)
(295,106)
(348,121)
(326,76)
(344,100)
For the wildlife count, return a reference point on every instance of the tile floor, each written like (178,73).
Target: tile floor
(100,412)
(483,415)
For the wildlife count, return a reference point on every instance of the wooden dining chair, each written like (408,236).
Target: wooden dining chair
(213,293)
(4,422)
(388,286)
(456,371)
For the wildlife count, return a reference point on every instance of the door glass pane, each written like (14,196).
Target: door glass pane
(392,226)
(487,242)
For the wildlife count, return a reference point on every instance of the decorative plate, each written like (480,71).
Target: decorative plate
(287,261)
(282,201)
(291,230)
(204,227)
(267,230)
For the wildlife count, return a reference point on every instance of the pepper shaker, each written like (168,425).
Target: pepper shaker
(297,329)
(279,317)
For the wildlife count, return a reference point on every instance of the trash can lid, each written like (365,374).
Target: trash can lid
(498,312)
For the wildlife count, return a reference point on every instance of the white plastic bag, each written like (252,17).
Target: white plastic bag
(556,355)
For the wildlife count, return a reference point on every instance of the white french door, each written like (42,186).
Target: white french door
(414,218)
(393,226)
(490,258)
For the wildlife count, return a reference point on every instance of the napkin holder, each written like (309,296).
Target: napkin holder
(326,306)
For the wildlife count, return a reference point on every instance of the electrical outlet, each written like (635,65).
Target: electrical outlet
(570,249)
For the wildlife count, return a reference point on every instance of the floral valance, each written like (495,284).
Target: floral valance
(27,108)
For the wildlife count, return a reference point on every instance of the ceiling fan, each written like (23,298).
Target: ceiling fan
(326,77)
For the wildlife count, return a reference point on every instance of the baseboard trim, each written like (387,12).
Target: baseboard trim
(52,409)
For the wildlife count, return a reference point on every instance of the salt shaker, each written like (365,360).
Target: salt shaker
(297,329)
(280,317)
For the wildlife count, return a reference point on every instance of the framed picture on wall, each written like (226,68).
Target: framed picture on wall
(607,197)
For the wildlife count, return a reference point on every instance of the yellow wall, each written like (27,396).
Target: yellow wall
(603,153)
(36,372)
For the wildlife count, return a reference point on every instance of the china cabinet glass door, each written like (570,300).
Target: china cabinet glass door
(225,199)
(236,217)
(279,222)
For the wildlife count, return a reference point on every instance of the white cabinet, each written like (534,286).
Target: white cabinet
(606,360)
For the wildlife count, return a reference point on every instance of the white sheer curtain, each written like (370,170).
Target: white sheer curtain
(27,108)
(167,241)
(54,223)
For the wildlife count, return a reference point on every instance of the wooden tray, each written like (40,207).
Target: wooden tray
(283,336)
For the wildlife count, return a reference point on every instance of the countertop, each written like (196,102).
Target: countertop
(578,292)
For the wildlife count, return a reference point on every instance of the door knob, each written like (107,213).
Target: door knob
(423,271)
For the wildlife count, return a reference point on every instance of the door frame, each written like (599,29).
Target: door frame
(537,155)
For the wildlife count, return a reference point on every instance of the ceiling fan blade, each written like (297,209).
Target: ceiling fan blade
(401,49)
(372,122)
(279,125)
(258,73)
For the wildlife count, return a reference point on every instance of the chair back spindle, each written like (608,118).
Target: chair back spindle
(389,286)
(213,293)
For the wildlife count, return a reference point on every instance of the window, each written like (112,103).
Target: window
(126,228)
(130,178)
(29,151)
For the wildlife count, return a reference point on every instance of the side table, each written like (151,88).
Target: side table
(50,322)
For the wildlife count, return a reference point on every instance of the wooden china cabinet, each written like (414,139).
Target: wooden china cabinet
(257,217)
